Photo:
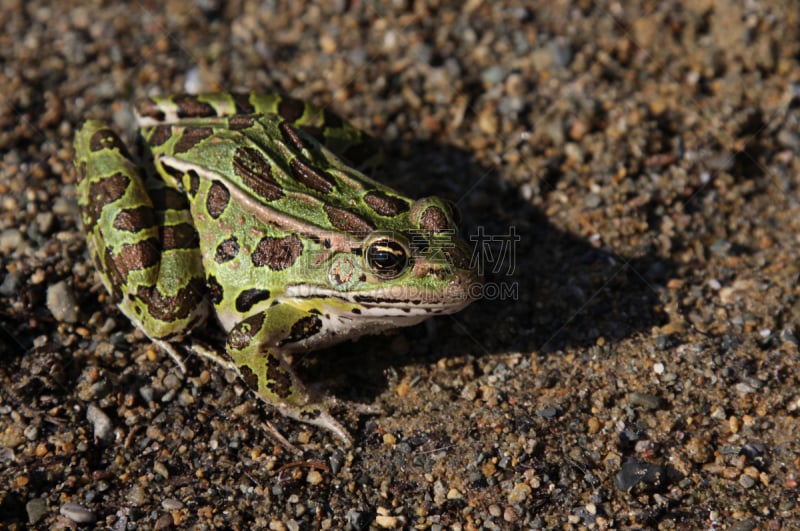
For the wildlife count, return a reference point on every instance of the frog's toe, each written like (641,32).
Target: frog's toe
(318,415)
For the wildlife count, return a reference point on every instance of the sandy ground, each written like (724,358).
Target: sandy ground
(629,171)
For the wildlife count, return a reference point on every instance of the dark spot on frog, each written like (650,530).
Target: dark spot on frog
(107,139)
(227,250)
(356,311)
(249,377)
(280,383)
(384,204)
(277,253)
(217,199)
(236,123)
(132,257)
(347,221)
(291,109)
(159,135)
(191,137)
(175,307)
(102,193)
(250,297)
(303,328)
(290,135)
(134,219)
(256,173)
(191,107)
(305,174)
(244,332)
(214,290)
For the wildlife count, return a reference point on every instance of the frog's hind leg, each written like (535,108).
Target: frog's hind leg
(141,238)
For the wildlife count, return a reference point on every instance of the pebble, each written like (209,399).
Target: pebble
(519,493)
(137,496)
(171,504)
(100,422)
(645,400)
(36,509)
(314,477)
(387,522)
(10,240)
(634,472)
(45,221)
(61,302)
(77,513)
(10,284)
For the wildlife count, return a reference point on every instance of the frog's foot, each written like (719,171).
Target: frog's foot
(173,353)
(317,415)
(218,356)
(359,408)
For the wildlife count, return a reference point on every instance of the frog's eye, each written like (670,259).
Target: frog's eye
(386,258)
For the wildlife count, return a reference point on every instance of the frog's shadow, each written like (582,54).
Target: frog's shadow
(546,290)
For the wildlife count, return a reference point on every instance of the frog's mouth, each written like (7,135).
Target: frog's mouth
(395,301)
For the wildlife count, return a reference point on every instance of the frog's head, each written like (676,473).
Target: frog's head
(410,267)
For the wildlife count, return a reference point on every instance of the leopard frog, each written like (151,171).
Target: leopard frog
(249,207)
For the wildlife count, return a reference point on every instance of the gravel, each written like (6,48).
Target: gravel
(630,171)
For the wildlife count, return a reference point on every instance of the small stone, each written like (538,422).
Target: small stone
(61,302)
(171,504)
(645,400)
(510,514)
(165,521)
(593,425)
(746,481)
(698,450)
(100,422)
(561,51)
(36,509)
(161,469)
(10,239)
(386,521)
(519,493)
(10,284)
(314,477)
(493,75)
(77,513)
(634,472)
(488,122)
(137,496)
(454,494)
(592,200)
(45,222)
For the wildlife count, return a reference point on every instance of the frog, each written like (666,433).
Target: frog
(253,213)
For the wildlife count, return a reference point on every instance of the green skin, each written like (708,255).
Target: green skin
(248,211)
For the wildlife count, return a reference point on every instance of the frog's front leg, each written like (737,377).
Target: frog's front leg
(257,345)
